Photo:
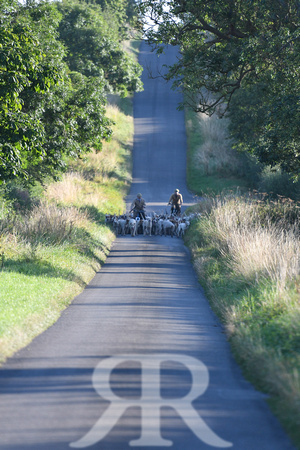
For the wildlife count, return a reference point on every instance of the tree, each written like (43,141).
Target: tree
(265,121)
(71,113)
(94,48)
(22,67)
(229,45)
(53,88)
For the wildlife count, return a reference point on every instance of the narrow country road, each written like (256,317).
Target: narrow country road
(138,359)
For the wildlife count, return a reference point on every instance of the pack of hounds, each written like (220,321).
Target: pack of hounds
(152,225)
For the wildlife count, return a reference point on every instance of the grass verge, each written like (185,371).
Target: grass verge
(51,252)
(245,250)
(212,165)
(246,254)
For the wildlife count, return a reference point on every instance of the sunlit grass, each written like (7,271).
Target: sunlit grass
(246,253)
(49,254)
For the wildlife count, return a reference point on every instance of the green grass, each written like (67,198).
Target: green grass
(51,254)
(213,184)
(243,252)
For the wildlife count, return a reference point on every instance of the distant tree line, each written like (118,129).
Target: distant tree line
(58,62)
(240,59)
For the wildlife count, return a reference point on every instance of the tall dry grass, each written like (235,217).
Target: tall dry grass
(215,153)
(49,223)
(67,190)
(101,165)
(247,255)
(256,250)
(74,189)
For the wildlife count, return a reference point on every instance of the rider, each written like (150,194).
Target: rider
(176,202)
(138,206)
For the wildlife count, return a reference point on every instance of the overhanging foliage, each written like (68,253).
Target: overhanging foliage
(58,61)
(229,45)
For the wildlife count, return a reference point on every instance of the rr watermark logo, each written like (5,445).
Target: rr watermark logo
(150,401)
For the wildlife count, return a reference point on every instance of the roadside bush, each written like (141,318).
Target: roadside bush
(19,197)
(276,182)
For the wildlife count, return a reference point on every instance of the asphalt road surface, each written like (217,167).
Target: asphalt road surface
(139,359)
